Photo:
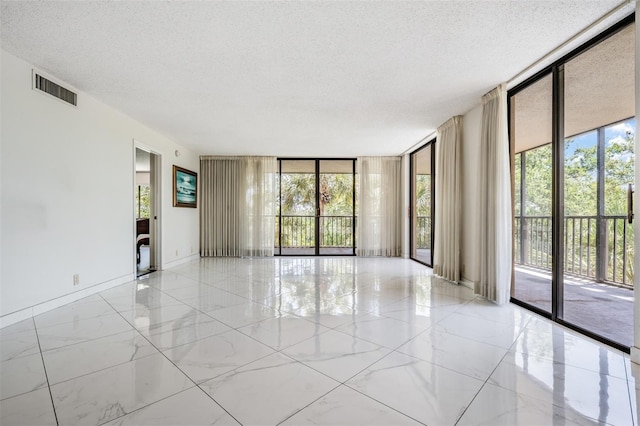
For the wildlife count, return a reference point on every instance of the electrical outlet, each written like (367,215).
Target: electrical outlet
(76,279)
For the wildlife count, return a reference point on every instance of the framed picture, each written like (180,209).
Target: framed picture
(185,188)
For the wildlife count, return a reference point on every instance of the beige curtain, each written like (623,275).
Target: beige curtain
(448,200)
(237,214)
(494,213)
(378,230)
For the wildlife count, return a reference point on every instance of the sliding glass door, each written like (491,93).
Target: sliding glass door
(336,214)
(316,213)
(297,220)
(531,136)
(572,134)
(598,173)
(422,203)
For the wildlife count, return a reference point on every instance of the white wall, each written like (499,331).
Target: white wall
(471,133)
(67,193)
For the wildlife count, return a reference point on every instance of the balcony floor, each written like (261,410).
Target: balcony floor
(423,255)
(604,309)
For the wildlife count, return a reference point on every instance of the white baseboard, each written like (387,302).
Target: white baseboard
(40,308)
(469,284)
(178,262)
(635,354)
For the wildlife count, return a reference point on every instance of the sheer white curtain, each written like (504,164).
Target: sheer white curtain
(237,213)
(378,230)
(448,199)
(494,213)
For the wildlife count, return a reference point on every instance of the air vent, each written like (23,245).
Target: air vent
(54,89)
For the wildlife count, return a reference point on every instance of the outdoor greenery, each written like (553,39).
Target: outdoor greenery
(298,204)
(423,211)
(143,201)
(581,202)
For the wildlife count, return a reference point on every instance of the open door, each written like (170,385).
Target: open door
(147,208)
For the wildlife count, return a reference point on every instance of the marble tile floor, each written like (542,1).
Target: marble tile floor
(295,341)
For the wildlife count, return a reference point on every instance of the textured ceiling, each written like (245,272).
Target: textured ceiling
(291,78)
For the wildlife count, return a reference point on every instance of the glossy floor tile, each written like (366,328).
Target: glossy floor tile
(209,357)
(21,375)
(338,355)
(296,341)
(424,391)
(269,390)
(113,392)
(344,406)
(190,407)
(29,409)
(88,357)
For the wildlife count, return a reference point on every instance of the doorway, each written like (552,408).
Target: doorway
(147,208)
(422,186)
(572,131)
(316,207)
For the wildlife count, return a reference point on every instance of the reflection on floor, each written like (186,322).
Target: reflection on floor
(144,266)
(305,341)
(604,309)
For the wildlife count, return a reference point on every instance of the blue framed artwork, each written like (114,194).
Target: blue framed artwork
(185,187)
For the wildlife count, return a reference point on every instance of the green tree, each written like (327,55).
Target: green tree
(143,201)
(298,198)
(580,197)
(538,181)
(580,180)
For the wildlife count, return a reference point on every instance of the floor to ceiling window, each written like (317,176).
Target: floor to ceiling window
(531,134)
(315,214)
(572,136)
(422,202)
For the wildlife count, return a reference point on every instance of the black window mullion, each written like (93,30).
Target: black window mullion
(557,221)
(318,212)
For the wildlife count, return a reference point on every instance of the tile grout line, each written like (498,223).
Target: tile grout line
(178,368)
(280,351)
(626,372)
(493,371)
(44,367)
(344,383)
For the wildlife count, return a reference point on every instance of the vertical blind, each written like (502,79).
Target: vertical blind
(238,206)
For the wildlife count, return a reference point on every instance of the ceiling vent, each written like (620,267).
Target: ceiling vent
(54,89)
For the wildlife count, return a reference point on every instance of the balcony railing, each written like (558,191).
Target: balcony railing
(299,231)
(423,232)
(604,258)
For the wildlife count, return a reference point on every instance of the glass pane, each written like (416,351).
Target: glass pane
(598,167)
(336,207)
(516,179)
(421,199)
(619,160)
(277,225)
(298,206)
(531,136)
